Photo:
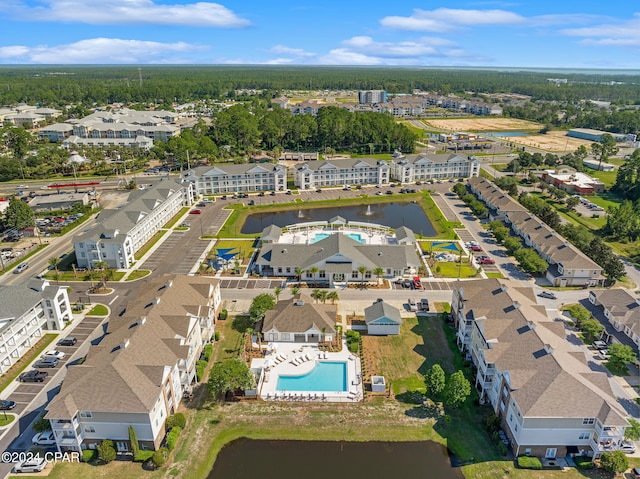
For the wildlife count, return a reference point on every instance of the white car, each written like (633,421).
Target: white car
(628,447)
(35,464)
(46,438)
(54,354)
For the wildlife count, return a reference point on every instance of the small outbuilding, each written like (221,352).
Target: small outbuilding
(378,384)
(382,319)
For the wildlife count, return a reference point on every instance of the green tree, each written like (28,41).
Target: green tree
(632,433)
(621,354)
(435,380)
(530,261)
(512,244)
(160,457)
(299,272)
(500,233)
(572,202)
(41,424)
(18,214)
(229,375)
(614,461)
(457,389)
(333,296)
(313,270)
(362,270)
(133,439)
(379,271)
(54,262)
(260,305)
(106,451)
(592,328)
(277,291)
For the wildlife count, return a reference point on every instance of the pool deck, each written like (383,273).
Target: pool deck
(309,236)
(272,369)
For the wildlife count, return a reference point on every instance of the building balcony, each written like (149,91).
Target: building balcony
(609,432)
(604,445)
(64,425)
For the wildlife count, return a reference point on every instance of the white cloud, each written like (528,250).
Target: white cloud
(297,52)
(127,12)
(421,47)
(447,19)
(625,33)
(344,56)
(564,19)
(102,51)
(279,61)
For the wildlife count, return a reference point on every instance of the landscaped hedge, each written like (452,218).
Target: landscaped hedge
(176,420)
(200,365)
(528,462)
(172,438)
(89,455)
(142,456)
(208,350)
(353,340)
(584,462)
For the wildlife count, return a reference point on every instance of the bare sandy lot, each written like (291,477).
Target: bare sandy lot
(484,124)
(554,141)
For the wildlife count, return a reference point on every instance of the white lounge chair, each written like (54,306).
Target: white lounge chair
(308,356)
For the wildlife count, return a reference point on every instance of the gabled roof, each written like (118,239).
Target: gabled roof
(379,310)
(300,314)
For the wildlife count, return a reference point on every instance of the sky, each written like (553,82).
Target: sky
(525,33)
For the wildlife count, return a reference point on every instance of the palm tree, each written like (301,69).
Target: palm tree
(379,272)
(102,266)
(313,270)
(295,291)
(362,270)
(277,292)
(333,296)
(298,271)
(55,261)
(315,294)
(323,295)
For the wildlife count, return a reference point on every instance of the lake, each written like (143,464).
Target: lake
(245,458)
(505,133)
(392,215)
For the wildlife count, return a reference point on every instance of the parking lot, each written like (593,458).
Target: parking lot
(426,286)
(252,283)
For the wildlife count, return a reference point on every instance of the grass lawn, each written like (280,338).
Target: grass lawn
(137,274)
(607,177)
(6,421)
(15,370)
(98,310)
(587,221)
(80,276)
(149,244)
(453,269)
(494,275)
(176,217)
(438,247)
(244,247)
(499,166)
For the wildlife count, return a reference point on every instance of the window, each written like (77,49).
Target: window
(85,414)
(89,429)
(527,451)
(584,435)
(588,421)
(284,336)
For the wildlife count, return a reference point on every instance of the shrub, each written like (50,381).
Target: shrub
(159,457)
(614,461)
(41,425)
(353,340)
(172,437)
(502,448)
(106,451)
(208,350)
(89,455)
(176,420)
(527,462)
(142,456)
(133,439)
(223,314)
(200,365)
(583,462)
(216,336)
(493,423)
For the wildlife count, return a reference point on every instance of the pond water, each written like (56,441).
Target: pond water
(245,458)
(505,133)
(392,215)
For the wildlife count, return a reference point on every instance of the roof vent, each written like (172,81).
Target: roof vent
(531,324)
(284,250)
(516,305)
(503,288)
(548,348)
(157,300)
(167,285)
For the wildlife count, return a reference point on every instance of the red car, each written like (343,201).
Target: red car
(195,212)
(416,283)
(485,260)
(475,247)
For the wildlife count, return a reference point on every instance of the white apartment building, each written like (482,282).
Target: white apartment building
(55,133)
(353,171)
(120,233)
(26,312)
(424,167)
(550,401)
(137,374)
(221,179)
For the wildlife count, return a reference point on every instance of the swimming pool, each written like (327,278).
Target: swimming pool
(353,236)
(326,377)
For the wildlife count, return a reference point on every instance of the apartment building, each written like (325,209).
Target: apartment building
(426,166)
(55,133)
(621,309)
(353,171)
(568,266)
(26,314)
(372,96)
(550,401)
(246,178)
(137,374)
(121,232)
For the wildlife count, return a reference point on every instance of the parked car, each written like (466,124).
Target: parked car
(475,247)
(46,438)
(389,192)
(412,305)
(261,193)
(603,354)
(195,212)
(547,294)
(628,447)
(635,473)
(318,190)
(33,376)
(289,192)
(251,203)
(407,283)
(21,267)
(33,464)
(46,363)
(53,353)
(424,304)
(68,341)
(273,193)
(6,405)
(224,197)
(600,344)
(379,193)
(416,282)
(485,260)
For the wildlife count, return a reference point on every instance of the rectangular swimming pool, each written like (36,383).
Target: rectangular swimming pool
(353,236)
(325,377)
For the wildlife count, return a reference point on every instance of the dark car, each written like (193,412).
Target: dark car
(273,193)
(318,190)
(547,294)
(251,203)
(6,405)
(46,363)
(289,192)
(407,283)
(485,260)
(68,341)
(33,376)
(389,192)
(224,197)
(261,193)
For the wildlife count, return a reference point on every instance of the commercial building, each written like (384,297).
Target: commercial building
(424,167)
(137,375)
(26,313)
(221,179)
(300,320)
(550,402)
(353,171)
(120,233)
(594,135)
(575,183)
(59,201)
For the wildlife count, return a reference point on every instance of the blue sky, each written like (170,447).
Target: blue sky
(542,33)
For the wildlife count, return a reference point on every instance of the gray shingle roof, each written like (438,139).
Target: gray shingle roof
(299,314)
(380,309)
